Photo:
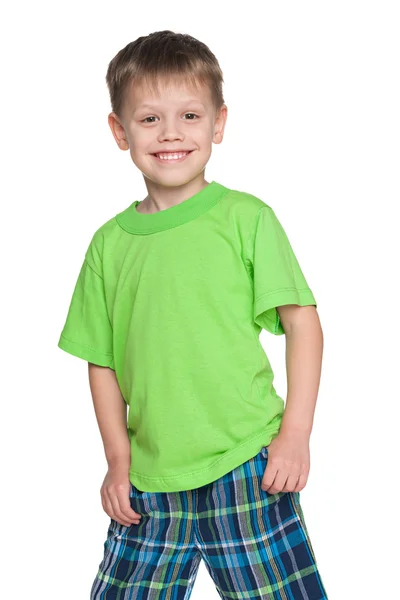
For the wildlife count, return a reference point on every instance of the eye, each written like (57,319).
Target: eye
(152,117)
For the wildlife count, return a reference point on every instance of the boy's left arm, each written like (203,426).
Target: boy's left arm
(288,463)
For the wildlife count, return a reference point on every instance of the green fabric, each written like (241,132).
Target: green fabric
(174,302)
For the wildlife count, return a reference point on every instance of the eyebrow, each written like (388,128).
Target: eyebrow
(186,101)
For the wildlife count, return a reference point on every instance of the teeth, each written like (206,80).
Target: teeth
(171,155)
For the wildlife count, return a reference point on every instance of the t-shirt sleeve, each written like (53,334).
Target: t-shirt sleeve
(275,271)
(87,331)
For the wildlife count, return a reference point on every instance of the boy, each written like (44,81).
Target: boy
(167,310)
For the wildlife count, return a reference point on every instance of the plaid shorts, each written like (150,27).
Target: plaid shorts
(255,545)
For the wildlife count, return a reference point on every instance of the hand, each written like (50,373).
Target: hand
(115,497)
(288,463)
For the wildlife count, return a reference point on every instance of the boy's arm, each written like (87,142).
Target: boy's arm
(304,349)
(110,409)
(288,462)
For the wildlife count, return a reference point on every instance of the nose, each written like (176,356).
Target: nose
(170,130)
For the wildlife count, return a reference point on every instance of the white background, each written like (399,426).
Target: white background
(312,90)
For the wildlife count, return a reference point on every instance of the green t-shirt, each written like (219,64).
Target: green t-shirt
(174,303)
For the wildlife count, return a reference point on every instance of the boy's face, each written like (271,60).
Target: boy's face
(180,118)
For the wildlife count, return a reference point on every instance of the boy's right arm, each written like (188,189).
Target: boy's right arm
(110,409)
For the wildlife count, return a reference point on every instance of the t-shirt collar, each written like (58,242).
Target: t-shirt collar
(135,222)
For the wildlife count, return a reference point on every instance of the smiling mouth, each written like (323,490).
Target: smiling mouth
(171,157)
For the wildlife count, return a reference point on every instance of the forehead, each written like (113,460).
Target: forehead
(165,93)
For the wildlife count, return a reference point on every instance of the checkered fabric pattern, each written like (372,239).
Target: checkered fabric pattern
(255,545)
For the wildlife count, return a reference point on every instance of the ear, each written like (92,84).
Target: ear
(118,131)
(220,122)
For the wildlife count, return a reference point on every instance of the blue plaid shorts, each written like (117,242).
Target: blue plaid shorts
(255,545)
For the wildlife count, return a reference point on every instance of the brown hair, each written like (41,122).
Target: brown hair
(163,55)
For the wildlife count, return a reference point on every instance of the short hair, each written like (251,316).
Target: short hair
(161,57)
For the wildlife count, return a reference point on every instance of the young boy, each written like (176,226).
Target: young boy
(167,310)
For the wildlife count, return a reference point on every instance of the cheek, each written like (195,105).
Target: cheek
(139,137)
(203,137)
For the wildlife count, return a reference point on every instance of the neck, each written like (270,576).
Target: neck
(161,197)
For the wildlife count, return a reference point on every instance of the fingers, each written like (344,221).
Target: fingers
(288,463)
(301,483)
(115,502)
(126,511)
(268,478)
(277,480)
(291,483)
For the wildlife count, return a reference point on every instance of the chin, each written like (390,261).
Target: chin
(172,179)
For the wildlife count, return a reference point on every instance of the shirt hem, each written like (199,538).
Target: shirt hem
(195,479)
(265,313)
(86,353)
